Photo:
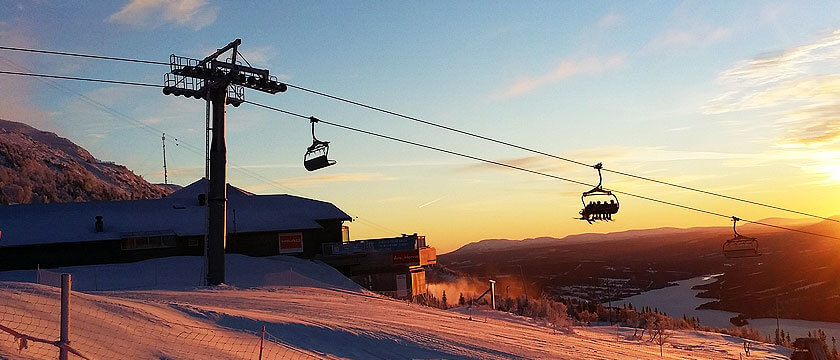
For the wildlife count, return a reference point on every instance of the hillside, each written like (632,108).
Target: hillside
(798,269)
(309,311)
(42,167)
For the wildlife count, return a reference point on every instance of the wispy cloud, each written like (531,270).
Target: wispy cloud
(627,156)
(16,103)
(565,69)
(680,38)
(310,181)
(796,81)
(770,12)
(195,14)
(609,20)
(259,56)
(536,162)
(660,162)
(430,202)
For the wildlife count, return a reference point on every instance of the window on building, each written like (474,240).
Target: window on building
(149,242)
(345,233)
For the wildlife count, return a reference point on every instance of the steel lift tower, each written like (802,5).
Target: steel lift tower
(222,83)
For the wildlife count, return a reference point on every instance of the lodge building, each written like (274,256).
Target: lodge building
(89,233)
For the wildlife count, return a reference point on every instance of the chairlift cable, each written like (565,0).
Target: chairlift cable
(153,130)
(388,137)
(100,57)
(445,151)
(118,82)
(448,128)
(520,147)
(84,98)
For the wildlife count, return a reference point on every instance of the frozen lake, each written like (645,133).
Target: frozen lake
(681,300)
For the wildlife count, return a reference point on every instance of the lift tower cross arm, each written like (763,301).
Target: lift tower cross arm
(223,83)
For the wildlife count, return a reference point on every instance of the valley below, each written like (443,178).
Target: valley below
(796,271)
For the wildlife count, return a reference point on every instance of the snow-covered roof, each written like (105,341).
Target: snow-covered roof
(178,213)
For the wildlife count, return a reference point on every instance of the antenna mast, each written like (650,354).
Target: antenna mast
(165,177)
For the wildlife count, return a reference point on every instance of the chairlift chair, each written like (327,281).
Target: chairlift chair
(316,154)
(740,246)
(598,203)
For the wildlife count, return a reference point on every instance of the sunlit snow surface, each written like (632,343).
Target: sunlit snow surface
(315,312)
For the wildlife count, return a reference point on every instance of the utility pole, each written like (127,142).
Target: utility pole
(777,317)
(609,299)
(222,83)
(493,294)
(165,177)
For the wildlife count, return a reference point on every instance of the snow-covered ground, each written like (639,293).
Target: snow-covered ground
(681,300)
(309,311)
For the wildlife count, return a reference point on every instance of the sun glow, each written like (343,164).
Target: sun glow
(833,171)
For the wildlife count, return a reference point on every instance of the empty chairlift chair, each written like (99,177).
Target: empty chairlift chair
(316,154)
(740,246)
(598,203)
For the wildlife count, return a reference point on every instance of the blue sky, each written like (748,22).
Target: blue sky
(730,96)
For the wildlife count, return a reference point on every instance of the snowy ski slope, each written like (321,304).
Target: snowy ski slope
(309,311)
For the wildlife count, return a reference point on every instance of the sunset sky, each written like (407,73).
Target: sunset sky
(739,97)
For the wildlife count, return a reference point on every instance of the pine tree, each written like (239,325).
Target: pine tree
(461,300)
(443,300)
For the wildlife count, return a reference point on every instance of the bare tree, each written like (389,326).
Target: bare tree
(648,321)
(660,332)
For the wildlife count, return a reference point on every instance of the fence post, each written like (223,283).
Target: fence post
(65,315)
(262,338)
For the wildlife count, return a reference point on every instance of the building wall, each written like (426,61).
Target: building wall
(418,280)
(112,252)
(85,253)
(267,243)
(399,282)
(331,233)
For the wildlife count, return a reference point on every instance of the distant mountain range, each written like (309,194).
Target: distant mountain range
(41,167)
(801,271)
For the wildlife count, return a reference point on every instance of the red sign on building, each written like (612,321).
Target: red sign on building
(291,243)
(411,257)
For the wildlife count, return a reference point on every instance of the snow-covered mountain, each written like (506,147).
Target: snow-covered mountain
(40,167)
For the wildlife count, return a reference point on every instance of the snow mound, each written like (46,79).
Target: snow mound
(187,272)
